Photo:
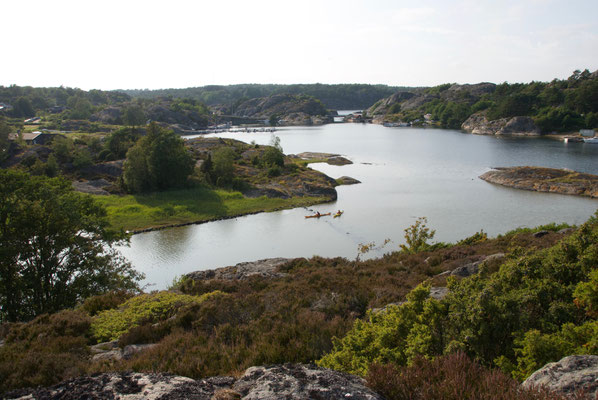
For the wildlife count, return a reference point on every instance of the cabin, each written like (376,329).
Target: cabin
(586,132)
(38,137)
(5,107)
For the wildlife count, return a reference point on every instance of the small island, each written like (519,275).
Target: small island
(541,179)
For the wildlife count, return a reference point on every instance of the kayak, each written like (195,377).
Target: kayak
(317,216)
(338,214)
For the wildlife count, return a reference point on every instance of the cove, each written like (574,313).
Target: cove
(405,173)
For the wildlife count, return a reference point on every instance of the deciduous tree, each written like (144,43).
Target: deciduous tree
(55,247)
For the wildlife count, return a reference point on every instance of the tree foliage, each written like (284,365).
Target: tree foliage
(55,247)
(158,161)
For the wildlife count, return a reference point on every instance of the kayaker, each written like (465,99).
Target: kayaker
(318,214)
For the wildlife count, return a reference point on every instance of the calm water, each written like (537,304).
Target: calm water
(406,173)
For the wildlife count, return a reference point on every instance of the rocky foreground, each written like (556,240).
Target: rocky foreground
(289,381)
(545,180)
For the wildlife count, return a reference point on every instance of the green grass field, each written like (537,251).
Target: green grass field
(135,212)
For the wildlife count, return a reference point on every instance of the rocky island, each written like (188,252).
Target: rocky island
(545,180)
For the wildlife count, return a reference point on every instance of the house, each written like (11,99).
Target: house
(34,120)
(586,132)
(38,137)
(5,107)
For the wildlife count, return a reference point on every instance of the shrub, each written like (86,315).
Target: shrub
(111,324)
(417,236)
(95,304)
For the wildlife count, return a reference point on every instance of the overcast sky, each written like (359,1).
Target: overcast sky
(175,44)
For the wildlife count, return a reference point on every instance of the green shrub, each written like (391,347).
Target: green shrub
(111,324)
(477,237)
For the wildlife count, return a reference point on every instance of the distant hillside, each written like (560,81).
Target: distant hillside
(336,97)
(557,106)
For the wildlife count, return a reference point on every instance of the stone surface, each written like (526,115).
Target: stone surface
(544,180)
(289,381)
(568,375)
(300,381)
(347,180)
(516,126)
(92,187)
(127,386)
(467,269)
(438,293)
(267,268)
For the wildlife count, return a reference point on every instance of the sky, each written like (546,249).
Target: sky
(130,44)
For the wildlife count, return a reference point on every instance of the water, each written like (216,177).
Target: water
(406,173)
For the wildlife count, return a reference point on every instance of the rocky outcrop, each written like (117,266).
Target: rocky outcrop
(330,158)
(303,119)
(545,180)
(109,115)
(291,109)
(516,126)
(300,381)
(128,386)
(347,180)
(96,187)
(288,381)
(415,98)
(267,268)
(109,351)
(568,375)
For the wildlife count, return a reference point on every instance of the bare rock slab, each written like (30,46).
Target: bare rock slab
(568,375)
(301,381)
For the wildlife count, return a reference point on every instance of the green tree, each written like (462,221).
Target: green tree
(121,140)
(4,141)
(134,116)
(158,161)
(223,166)
(55,247)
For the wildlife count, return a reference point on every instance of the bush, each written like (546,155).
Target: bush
(95,304)
(417,236)
(111,324)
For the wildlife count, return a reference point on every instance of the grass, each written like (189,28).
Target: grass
(198,204)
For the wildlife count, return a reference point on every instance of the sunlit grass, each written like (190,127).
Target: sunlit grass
(134,212)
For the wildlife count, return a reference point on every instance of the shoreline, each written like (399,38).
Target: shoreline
(223,218)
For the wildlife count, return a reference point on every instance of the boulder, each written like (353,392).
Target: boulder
(568,375)
(267,268)
(467,269)
(301,381)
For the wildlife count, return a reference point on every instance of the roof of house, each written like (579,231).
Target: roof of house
(31,135)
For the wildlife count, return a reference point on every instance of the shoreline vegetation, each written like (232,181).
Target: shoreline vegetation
(175,208)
